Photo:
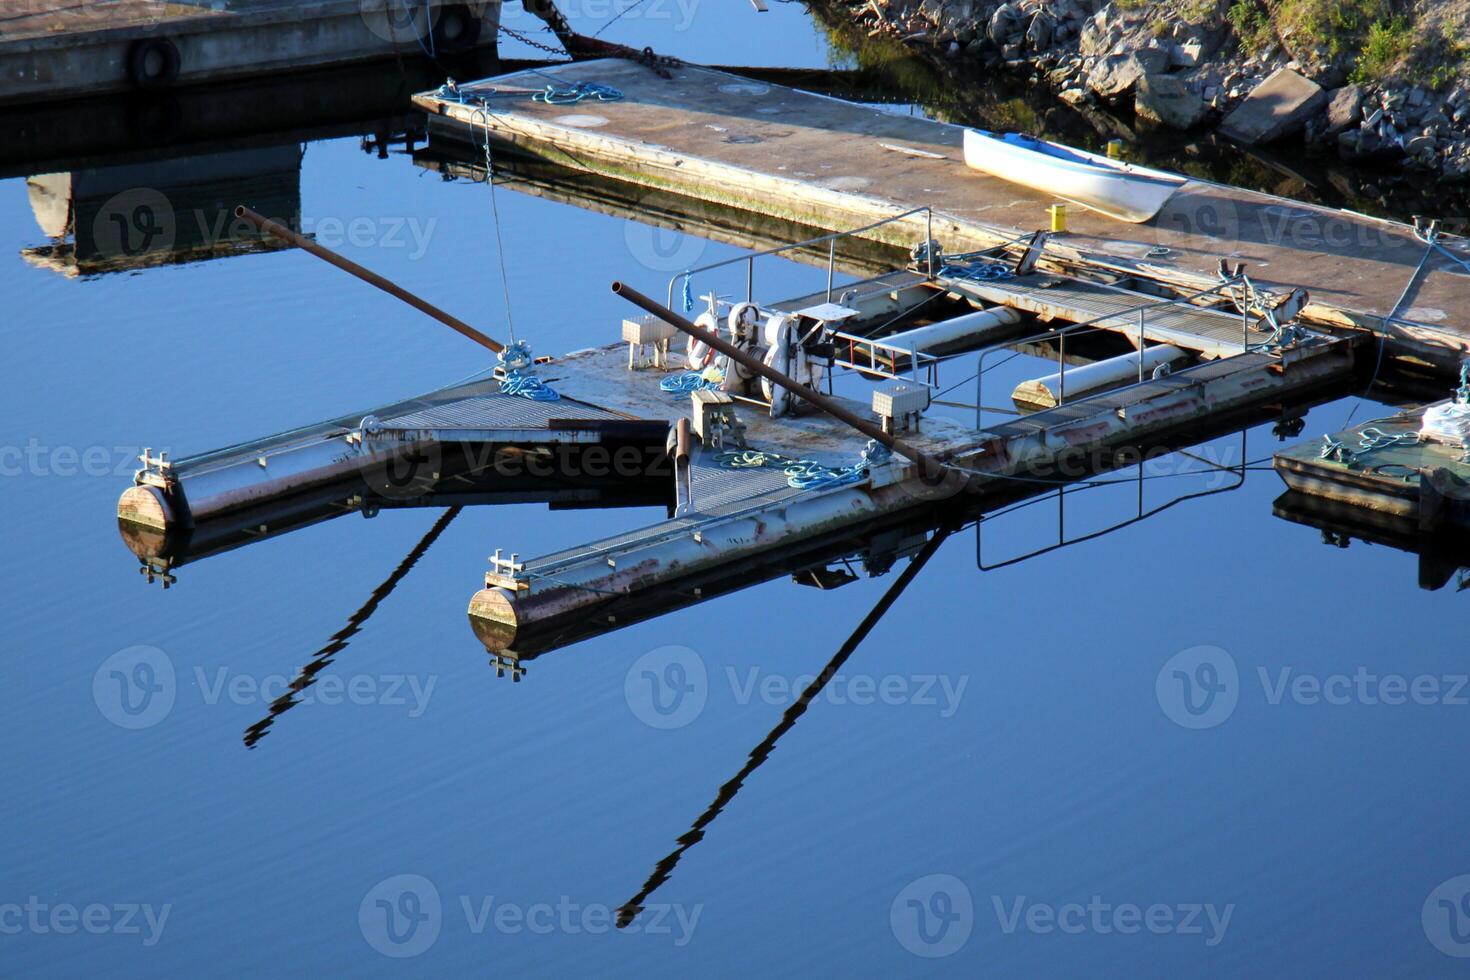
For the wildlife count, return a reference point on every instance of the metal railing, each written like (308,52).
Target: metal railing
(831,239)
(1060,335)
(886,364)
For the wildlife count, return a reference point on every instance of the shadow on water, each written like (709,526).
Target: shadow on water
(323,658)
(629,910)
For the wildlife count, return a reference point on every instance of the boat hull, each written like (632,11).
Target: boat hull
(1119,190)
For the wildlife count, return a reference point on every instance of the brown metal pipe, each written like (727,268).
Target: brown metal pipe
(928,464)
(682,440)
(346,265)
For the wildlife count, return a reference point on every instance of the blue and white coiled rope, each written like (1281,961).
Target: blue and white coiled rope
(806,474)
(979,271)
(552,95)
(689,381)
(515,357)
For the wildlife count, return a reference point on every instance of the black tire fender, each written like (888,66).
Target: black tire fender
(153,62)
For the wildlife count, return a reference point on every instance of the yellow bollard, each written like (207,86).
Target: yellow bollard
(1058,214)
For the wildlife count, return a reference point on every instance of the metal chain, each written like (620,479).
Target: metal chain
(517,35)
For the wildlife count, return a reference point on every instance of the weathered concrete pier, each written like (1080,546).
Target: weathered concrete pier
(830,164)
(50,49)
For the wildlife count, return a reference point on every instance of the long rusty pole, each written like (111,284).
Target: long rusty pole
(347,265)
(927,464)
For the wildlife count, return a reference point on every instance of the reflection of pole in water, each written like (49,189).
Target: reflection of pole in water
(761,752)
(335,645)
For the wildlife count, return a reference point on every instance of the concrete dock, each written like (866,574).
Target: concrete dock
(53,49)
(830,164)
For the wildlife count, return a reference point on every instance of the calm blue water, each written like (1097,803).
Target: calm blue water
(1007,730)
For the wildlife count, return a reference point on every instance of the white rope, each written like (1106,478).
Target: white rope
(510,322)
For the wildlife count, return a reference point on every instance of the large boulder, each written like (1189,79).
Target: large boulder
(1344,109)
(1187,54)
(1277,108)
(1457,162)
(1005,24)
(1098,35)
(1167,100)
(1115,76)
(1039,31)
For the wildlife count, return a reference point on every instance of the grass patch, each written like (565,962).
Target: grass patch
(1338,26)
(1252,27)
(1384,53)
(1450,54)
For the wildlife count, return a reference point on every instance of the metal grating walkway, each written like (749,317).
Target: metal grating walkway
(496,412)
(1209,332)
(718,490)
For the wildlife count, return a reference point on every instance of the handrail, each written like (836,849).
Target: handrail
(831,237)
(917,358)
(1061,333)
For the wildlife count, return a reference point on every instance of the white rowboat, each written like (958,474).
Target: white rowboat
(1117,189)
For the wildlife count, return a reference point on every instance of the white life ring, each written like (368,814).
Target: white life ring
(700,354)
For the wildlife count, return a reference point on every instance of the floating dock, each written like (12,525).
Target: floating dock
(612,427)
(54,49)
(1181,342)
(404,450)
(1382,483)
(737,515)
(1383,467)
(829,164)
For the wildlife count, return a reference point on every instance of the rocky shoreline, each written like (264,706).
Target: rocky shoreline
(1192,70)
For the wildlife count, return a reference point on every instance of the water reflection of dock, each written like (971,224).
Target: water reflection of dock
(652,207)
(132,217)
(1443,555)
(125,184)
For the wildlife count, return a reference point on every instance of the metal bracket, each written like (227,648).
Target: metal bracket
(159,572)
(368,430)
(1026,264)
(507,573)
(156,471)
(503,664)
